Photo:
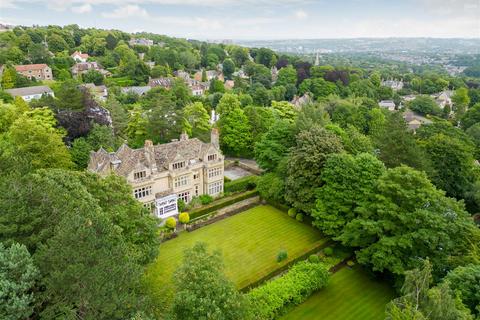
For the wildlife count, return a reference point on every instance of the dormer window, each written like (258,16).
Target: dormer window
(139,175)
(212,157)
(178,165)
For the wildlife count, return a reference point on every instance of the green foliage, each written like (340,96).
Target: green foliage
(271,187)
(299,217)
(93,76)
(272,299)
(203,291)
(292,212)
(80,152)
(328,251)
(346,181)
(18,274)
(394,228)
(471,117)
(282,255)
(305,165)
(419,301)
(313,258)
(242,184)
(465,280)
(206,199)
(286,76)
(184,217)
(198,119)
(425,105)
(235,130)
(221,203)
(171,223)
(181,205)
(274,145)
(228,68)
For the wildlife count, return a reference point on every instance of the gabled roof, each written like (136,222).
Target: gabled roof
(28,67)
(29,91)
(163,154)
(79,53)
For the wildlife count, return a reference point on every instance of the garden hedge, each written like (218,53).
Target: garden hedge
(221,203)
(242,184)
(273,298)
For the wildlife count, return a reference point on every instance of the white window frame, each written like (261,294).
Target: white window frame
(181,181)
(215,172)
(215,188)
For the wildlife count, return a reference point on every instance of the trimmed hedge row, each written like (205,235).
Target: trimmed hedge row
(222,203)
(275,297)
(242,184)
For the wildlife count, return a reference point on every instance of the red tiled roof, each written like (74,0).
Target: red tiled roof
(83,55)
(27,67)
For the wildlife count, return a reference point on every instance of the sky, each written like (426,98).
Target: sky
(257,19)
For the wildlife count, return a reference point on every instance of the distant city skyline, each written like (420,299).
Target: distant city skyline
(256,20)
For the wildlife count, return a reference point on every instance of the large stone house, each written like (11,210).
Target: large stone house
(161,174)
(38,71)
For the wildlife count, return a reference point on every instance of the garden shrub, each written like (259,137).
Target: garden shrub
(181,205)
(314,258)
(184,217)
(282,255)
(292,212)
(350,263)
(226,179)
(194,203)
(242,184)
(171,223)
(299,217)
(221,203)
(328,251)
(206,199)
(273,298)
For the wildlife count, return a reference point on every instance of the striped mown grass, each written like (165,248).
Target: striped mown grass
(351,295)
(249,242)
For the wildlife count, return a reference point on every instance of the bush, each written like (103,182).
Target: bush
(226,179)
(206,199)
(194,203)
(314,258)
(184,217)
(221,203)
(328,251)
(299,217)
(292,212)
(242,184)
(171,223)
(181,205)
(350,263)
(273,298)
(282,255)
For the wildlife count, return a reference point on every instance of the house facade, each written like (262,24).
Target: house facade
(161,174)
(83,67)
(78,56)
(38,71)
(30,93)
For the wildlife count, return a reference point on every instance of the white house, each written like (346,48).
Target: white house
(78,56)
(30,93)
(387,104)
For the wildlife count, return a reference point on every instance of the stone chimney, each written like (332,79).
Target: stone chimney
(150,155)
(215,137)
(183,136)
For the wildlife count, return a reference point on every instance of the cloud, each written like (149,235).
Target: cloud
(82,9)
(301,14)
(130,10)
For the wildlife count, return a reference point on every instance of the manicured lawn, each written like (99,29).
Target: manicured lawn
(249,243)
(351,295)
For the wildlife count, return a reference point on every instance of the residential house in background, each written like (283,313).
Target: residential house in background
(229,84)
(198,89)
(100,92)
(387,104)
(140,42)
(78,56)
(37,71)
(300,101)
(161,174)
(211,74)
(140,90)
(395,85)
(30,93)
(443,98)
(83,67)
(163,82)
(415,121)
(274,73)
